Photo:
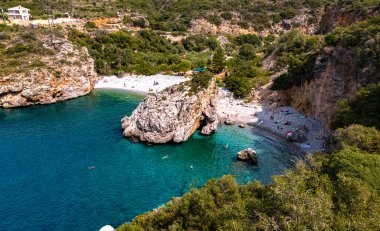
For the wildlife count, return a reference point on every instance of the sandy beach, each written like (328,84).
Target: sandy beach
(139,84)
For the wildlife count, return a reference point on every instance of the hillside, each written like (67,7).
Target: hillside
(172,15)
(40,66)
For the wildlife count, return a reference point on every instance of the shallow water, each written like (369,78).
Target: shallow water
(66,166)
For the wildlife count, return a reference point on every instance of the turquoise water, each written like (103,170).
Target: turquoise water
(47,181)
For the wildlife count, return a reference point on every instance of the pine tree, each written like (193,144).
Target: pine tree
(218,61)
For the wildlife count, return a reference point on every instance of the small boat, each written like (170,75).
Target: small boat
(165,157)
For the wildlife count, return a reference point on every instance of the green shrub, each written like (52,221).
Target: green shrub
(288,13)
(183,66)
(363,138)
(331,39)
(218,61)
(240,86)
(300,71)
(31,48)
(226,15)
(214,19)
(247,52)
(196,43)
(248,39)
(200,81)
(90,25)
(364,109)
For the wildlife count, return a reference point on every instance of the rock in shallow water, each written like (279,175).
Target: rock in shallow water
(248,155)
(230,120)
(173,115)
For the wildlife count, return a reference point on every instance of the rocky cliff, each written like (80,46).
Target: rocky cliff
(173,115)
(337,75)
(67,73)
(338,16)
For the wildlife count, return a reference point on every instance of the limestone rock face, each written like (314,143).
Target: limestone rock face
(67,74)
(337,75)
(248,155)
(173,115)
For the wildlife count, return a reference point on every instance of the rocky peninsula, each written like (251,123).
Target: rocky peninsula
(173,115)
(67,72)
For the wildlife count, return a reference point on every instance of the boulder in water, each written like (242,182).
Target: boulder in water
(230,120)
(248,155)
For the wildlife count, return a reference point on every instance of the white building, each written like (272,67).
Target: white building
(18,13)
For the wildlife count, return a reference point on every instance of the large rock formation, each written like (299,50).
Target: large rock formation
(173,115)
(248,155)
(67,74)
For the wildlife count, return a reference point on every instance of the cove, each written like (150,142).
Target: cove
(66,166)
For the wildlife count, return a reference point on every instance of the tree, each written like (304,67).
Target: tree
(183,66)
(247,52)
(218,61)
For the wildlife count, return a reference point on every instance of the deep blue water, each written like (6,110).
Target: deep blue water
(46,152)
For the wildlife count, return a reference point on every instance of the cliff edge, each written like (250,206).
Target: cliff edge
(50,71)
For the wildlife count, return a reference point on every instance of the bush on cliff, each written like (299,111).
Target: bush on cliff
(298,51)
(364,109)
(218,61)
(358,136)
(200,81)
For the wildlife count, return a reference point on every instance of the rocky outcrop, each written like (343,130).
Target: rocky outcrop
(337,16)
(173,115)
(67,74)
(248,155)
(301,22)
(337,75)
(202,26)
(230,120)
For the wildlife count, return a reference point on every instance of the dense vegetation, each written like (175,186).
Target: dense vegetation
(174,15)
(245,68)
(298,51)
(170,15)
(144,53)
(337,191)
(364,109)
